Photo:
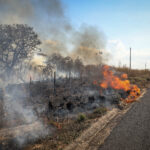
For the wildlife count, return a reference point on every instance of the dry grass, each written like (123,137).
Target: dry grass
(138,77)
(69,130)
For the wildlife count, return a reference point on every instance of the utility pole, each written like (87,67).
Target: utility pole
(130,59)
(145,66)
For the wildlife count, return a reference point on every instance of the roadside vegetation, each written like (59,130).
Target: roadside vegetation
(61,85)
(139,77)
(67,131)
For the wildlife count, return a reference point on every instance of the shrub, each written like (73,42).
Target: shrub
(100,111)
(81,118)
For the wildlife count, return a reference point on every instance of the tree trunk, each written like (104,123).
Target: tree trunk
(54,83)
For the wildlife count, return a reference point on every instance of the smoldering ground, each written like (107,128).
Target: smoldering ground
(20,116)
(58,35)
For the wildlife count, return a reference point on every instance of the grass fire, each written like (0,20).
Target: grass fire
(58,76)
(119,83)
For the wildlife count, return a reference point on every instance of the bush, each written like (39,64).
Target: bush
(81,118)
(100,111)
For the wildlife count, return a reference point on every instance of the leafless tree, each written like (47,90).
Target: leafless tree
(79,67)
(68,65)
(48,70)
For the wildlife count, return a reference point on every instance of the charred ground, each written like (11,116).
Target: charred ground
(59,109)
(53,98)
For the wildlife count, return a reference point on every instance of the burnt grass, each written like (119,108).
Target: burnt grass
(66,131)
(68,100)
(71,108)
(69,130)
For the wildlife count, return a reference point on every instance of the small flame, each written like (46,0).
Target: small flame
(124,76)
(113,81)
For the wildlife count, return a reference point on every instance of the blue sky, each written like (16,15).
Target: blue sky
(124,22)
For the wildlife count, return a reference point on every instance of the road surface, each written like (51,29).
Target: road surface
(133,131)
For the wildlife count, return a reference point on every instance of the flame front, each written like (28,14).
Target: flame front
(119,83)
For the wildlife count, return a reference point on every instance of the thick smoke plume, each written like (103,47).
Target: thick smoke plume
(46,16)
(15,11)
(49,19)
(89,45)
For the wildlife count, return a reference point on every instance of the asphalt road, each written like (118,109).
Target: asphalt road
(133,131)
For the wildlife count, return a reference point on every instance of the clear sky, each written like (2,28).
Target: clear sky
(124,22)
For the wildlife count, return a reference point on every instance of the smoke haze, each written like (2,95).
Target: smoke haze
(89,45)
(58,36)
(49,19)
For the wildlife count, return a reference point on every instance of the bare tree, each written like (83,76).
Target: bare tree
(68,65)
(48,70)
(56,60)
(17,43)
(79,67)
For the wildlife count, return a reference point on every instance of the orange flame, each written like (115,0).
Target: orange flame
(124,76)
(113,81)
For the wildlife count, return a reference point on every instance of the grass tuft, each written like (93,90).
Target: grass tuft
(81,118)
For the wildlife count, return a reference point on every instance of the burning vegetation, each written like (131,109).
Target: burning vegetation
(43,90)
(46,78)
(110,80)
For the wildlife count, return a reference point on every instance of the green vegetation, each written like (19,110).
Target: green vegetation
(98,112)
(81,118)
(101,110)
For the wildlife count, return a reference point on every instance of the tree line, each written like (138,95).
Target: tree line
(19,43)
